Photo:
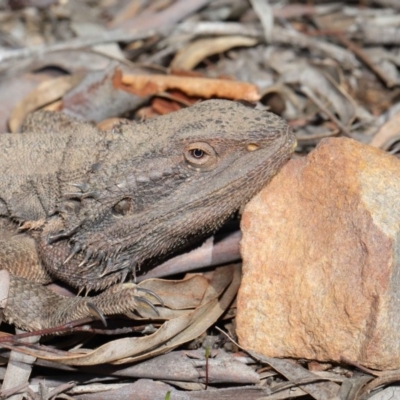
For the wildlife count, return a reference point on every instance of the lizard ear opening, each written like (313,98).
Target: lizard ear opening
(123,207)
(200,155)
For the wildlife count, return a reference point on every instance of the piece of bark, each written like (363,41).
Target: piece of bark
(321,259)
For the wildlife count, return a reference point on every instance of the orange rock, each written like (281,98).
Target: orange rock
(321,259)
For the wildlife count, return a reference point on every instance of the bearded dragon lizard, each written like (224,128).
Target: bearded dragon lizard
(89,207)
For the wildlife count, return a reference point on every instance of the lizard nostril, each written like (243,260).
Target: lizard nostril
(252,147)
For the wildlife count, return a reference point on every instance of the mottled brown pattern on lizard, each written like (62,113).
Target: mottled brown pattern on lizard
(101,204)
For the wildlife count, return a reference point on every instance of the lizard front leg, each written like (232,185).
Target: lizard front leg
(18,255)
(32,306)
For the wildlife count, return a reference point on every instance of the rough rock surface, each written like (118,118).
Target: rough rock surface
(321,257)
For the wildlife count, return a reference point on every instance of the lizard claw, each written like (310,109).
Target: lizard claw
(121,299)
(95,312)
(148,302)
(151,293)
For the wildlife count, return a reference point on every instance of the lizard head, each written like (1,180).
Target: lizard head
(167,182)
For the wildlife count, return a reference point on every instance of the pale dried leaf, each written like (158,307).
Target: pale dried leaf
(95,98)
(189,366)
(321,84)
(388,134)
(297,374)
(197,51)
(15,89)
(19,368)
(47,92)
(264,13)
(170,335)
(191,291)
(75,60)
(214,251)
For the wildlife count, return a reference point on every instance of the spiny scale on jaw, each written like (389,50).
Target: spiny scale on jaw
(169,210)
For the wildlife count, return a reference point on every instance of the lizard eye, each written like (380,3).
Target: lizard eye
(200,155)
(123,207)
(197,153)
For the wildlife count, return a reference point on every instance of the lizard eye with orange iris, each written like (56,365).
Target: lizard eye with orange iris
(197,153)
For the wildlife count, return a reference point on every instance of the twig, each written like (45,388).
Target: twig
(367,61)
(360,367)
(385,379)
(61,388)
(264,13)
(78,43)
(5,393)
(310,94)
(48,331)
(214,251)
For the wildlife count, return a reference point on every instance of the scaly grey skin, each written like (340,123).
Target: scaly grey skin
(94,206)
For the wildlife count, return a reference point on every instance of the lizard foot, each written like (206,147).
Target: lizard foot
(123,299)
(31,306)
